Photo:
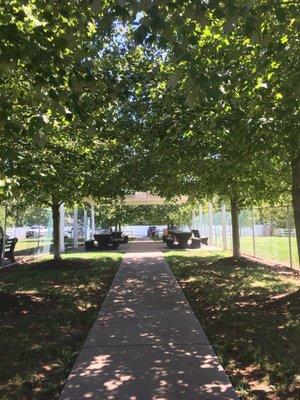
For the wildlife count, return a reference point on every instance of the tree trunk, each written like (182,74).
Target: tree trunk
(56,230)
(120,228)
(116,226)
(296,198)
(236,250)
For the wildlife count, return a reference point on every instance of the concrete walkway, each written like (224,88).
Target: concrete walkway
(146,342)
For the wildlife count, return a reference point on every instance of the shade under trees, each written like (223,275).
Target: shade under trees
(175,97)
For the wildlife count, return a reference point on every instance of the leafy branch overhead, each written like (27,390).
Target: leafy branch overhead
(101,98)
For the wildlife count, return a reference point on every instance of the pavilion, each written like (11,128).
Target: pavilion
(135,199)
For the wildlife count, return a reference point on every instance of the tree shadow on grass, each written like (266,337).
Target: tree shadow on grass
(46,311)
(251,316)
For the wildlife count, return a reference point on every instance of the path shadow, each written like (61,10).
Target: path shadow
(148,372)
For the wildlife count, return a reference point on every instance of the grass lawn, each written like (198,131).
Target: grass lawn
(271,248)
(46,311)
(30,246)
(251,316)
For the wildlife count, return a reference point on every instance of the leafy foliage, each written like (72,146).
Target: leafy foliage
(101,98)
(109,214)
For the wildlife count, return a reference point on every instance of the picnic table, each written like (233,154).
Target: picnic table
(183,238)
(179,239)
(106,241)
(116,234)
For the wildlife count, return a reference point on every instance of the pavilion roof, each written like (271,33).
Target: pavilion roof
(145,198)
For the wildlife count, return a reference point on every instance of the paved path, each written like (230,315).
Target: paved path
(146,342)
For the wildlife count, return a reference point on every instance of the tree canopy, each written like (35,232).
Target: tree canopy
(102,98)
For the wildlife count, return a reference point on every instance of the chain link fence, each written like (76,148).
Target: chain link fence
(265,232)
(33,227)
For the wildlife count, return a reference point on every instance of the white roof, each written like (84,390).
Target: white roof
(144,198)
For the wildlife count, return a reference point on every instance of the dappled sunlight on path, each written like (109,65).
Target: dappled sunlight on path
(146,342)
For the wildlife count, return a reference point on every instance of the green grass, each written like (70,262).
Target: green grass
(46,310)
(30,246)
(251,316)
(271,248)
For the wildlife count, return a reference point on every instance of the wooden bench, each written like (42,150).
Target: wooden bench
(10,245)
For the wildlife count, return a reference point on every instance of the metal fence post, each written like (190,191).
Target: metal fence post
(62,227)
(210,223)
(253,231)
(224,223)
(289,235)
(85,224)
(39,234)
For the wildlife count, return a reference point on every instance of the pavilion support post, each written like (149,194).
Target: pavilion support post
(224,226)
(93,219)
(4,236)
(210,227)
(62,228)
(253,231)
(85,224)
(75,228)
